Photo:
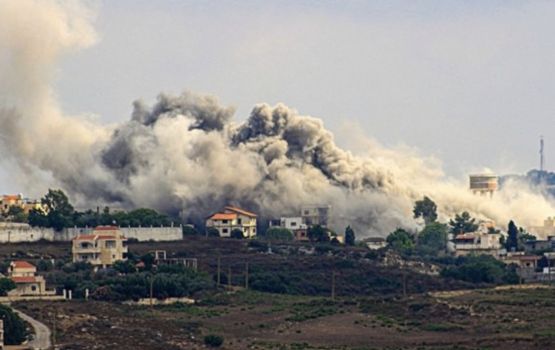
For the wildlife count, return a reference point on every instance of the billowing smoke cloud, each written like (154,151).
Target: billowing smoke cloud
(185,155)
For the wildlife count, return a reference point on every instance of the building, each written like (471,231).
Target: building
(17,200)
(544,231)
(477,243)
(483,184)
(103,247)
(232,218)
(25,277)
(375,243)
(316,215)
(295,224)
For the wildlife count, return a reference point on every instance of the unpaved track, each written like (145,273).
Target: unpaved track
(41,340)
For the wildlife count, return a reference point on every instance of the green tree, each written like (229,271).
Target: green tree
(37,218)
(59,212)
(511,244)
(6,285)
(14,328)
(400,240)
(318,234)
(212,232)
(349,236)
(463,223)
(237,234)
(425,208)
(432,239)
(189,230)
(213,341)
(278,234)
(17,214)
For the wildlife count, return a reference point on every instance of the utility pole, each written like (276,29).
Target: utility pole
(219,271)
(247,275)
(333,285)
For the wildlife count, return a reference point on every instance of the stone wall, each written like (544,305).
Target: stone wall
(25,233)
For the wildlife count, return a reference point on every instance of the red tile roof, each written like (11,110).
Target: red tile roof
(95,237)
(24,279)
(20,264)
(240,211)
(223,216)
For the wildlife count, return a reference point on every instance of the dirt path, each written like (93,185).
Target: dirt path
(41,340)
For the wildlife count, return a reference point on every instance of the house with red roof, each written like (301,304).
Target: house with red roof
(27,281)
(103,247)
(233,218)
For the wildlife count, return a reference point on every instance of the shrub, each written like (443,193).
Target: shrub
(237,234)
(14,327)
(213,341)
(278,234)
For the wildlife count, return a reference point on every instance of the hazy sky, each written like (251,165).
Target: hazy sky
(470,82)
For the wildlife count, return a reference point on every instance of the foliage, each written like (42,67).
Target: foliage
(6,285)
(511,244)
(124,266)
(400,240)
(60,213)
(318,234)
(278,234)
(349,236)
(14,327)
(427,209)
(237,234)
(463,223)
(17,214)
(44,265)
(481,269)
(212,232)
(432,239)
(189,230)
(213,341)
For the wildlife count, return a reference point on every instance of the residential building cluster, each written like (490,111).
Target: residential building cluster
(8,201)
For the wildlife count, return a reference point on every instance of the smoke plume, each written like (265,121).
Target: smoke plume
(186,156)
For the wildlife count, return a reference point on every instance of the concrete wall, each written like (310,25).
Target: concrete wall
(25,233)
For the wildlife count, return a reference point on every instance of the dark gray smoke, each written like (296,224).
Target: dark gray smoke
(185,156)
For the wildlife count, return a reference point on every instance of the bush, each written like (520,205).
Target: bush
(480,269)
(189,230)
(14,327)
(6,285)
(212,232)
(213,341)
(237,234)
(278,234)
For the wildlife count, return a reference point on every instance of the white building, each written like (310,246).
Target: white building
(316,215)
(232,218)
(481,241)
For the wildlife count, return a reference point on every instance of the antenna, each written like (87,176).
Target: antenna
(541,154)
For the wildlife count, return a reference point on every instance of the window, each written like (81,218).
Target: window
(293,223)
(306,212)
(110,244)
(224,221)
(33,288)
(239,221)
(224,230)
(253,230)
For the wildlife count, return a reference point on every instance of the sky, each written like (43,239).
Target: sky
(469,82)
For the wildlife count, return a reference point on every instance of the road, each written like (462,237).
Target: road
(41,340)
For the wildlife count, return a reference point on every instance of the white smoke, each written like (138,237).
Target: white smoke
(186,155)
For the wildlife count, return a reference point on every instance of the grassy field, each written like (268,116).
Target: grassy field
(479,319)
